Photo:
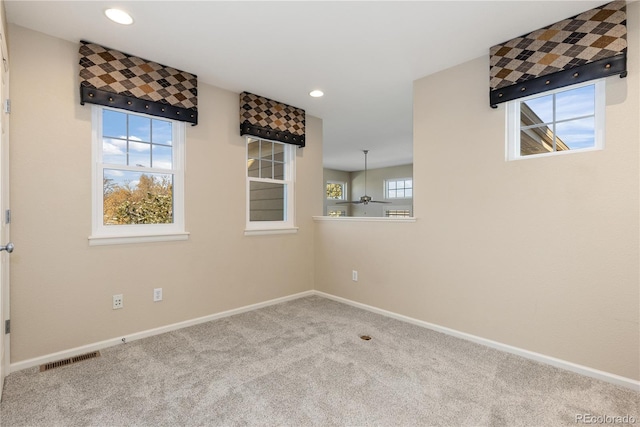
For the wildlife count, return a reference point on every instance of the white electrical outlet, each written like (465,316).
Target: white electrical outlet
(354,275)
(118,301)
(157,294)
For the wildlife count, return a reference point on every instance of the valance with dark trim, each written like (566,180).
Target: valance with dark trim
(265,118)
(585,47)
(112,78)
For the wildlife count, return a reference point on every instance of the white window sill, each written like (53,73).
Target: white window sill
(363,219)
(121,240)
(514,157)
(266,231)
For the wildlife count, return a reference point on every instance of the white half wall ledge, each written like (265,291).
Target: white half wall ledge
(538,357)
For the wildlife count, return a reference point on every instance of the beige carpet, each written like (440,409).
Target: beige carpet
(302,363)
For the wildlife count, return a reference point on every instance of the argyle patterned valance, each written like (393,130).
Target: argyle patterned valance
(265,118)
(585,47)
(115,79)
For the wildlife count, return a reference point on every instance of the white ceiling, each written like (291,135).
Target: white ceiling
(364,55)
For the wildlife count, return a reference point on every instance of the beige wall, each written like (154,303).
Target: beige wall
(61,288)
(541,254)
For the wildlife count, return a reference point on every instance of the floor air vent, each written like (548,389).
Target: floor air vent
(69,361)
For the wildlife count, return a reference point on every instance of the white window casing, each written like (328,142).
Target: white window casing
(287,224)
(514,126)
(136,233)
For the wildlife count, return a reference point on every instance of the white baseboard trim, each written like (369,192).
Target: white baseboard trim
(37,361)
(559,363)
(538,357)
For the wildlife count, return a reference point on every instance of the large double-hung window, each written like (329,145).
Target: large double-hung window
(138,177)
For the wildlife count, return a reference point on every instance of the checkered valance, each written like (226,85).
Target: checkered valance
(265,118)
(112,78)
(588,46)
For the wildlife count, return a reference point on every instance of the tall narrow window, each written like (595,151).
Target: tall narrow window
(564,120)
(138,175)
(270,181)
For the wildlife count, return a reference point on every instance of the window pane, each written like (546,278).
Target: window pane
(536,141)
(266,150)
(392,194)
(139,128)
(139,154)
(392,185)
(400,193)
(335,191)
(114,151)
(162,157)
(278,152)
(576,134)
(137,198)
(114,124)
(537,110)
(576,103)
(408,183)
(278,171)
(266,170)
(253,168)
(408,193)
(266,201)
(161,132)
(254,149)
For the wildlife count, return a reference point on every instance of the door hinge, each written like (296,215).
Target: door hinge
(7,326)
(7,106)
(7,216)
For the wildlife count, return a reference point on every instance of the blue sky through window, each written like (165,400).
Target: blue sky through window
(134,140)
(574,115)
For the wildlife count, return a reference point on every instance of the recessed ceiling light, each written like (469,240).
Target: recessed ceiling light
(316,93)
(119,16)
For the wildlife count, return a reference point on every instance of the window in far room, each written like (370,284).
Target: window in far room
(335,211)
(336,190)
(401,188)
(570,119)
(397,211)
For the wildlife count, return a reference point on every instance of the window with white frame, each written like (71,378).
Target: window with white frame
(335,211)
(564,120)
(397,211)
(398,188)
(336,190)
(138,177)
(270,184)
